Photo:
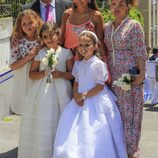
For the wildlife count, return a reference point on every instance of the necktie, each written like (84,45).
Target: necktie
(48,15)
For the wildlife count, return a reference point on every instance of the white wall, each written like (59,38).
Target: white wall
(5,74)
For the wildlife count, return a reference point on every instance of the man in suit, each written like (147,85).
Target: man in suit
(57,7)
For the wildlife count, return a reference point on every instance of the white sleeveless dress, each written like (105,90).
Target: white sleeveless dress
(42,108)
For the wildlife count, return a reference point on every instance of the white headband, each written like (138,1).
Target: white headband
(92,33)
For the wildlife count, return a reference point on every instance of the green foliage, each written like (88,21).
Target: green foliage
(99,3)
(136,15)
(107,15)
(11,7)
(133,14)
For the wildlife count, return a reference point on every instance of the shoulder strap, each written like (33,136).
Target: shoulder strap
(69,14)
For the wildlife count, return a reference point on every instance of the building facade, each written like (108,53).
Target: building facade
(149,9)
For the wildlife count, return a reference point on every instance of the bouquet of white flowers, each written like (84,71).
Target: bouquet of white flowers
(124,82)
(50,60)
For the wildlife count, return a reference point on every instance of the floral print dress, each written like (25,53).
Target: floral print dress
(21,81)
(125,45)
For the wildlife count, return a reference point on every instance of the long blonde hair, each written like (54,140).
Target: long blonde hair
(17,30)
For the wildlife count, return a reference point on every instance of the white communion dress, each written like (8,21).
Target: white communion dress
(42,108)
(95,129)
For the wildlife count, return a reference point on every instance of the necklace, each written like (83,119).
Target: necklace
(83,12)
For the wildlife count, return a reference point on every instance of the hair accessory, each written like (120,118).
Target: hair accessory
(90,32)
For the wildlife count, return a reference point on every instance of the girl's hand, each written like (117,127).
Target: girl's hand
(34,50)
(81,103)
(56,74)
(78,98)
(138,79)
(30,57)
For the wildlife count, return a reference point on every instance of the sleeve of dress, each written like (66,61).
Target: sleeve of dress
(69,54)
(38,57)
(14,53)
(75,70)
(138,41)
(100,73)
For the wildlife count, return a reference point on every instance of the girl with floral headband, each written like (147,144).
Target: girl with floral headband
(90,125)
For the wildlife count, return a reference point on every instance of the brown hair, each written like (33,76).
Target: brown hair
(132,3)
(92,5)
(17,30)
(95,40)
(89,35)
(50,26)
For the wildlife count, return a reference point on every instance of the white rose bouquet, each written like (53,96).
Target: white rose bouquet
(124,82)
(50,60)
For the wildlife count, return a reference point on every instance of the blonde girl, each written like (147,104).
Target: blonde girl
(24,46)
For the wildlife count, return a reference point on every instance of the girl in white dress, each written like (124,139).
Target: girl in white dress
(90,125)
(45,101)
(24,46)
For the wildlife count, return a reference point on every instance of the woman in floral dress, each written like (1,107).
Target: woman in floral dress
(124,39)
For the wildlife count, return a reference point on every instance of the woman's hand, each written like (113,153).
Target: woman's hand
(138,79)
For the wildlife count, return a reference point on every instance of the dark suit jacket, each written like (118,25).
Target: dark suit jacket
(60,7)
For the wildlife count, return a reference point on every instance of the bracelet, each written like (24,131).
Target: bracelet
(84,95)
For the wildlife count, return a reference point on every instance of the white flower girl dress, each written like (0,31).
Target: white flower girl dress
(95,129)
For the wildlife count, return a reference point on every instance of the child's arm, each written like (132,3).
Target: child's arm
(79,97)
(34,72)
(20,63)
(65,75)
(94,91)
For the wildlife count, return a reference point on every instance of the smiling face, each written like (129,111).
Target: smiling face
(119,8)
(28,26)
(86,47)
(81,3)
(50,39)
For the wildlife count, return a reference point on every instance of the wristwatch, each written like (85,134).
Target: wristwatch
(84,95)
